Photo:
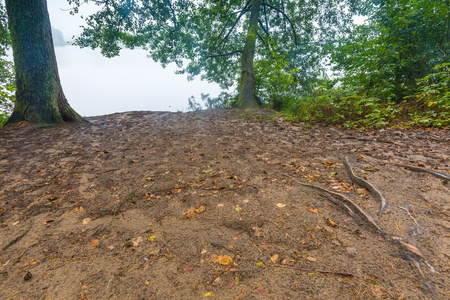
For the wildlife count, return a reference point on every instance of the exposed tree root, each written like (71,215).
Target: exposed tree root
(384,203)
(432,172)
(12,242)
(345,201)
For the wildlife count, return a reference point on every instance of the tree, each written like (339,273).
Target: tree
(39,95)
(400,43)
(221,40)
(6,70)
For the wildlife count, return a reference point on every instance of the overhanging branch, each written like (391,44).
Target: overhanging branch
(286,17)
(224,54)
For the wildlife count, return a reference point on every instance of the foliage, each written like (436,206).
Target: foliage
(206,38)
(6,70)
(400,42)
(429,106)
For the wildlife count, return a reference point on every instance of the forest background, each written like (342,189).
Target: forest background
(311,61)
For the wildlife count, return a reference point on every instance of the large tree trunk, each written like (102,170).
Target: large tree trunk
(247,96)
(39,95)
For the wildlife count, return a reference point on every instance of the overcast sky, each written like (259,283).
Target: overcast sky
(95,85)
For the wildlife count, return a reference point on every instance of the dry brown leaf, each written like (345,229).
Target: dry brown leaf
(331,223)
(314,210)
(413,249)
(311,258)
(274,258)
(94,243)
(137,240)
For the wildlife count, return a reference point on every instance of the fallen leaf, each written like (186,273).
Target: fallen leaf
(200,209)
(238,208)
(311,258)
(2,197)
(260,264)
(190,213)
(204,251)
(149,179)
(314,210)
(207,171)
(230,283)
(94,243)
(351,250)
(225,260)
(331,223)
(280,205)
(274,258)
(152,238)
(176,191)
(137,240)
(208,294)
(153,252)
(86,221)
(146,282)
(188,268)
(413,249)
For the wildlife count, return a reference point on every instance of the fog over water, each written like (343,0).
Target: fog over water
(95,85)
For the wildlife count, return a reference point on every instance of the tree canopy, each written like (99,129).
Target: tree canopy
(220,40)
(280,53)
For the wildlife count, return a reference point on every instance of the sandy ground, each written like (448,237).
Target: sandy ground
(222,204)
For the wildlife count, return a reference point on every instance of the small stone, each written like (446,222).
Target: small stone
(28,276)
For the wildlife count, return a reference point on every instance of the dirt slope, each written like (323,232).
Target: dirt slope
(155,205)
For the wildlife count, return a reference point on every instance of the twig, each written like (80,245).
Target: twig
(419,228)
(12,242)
(316,271)
(432,172)
(384,203)
(344,199)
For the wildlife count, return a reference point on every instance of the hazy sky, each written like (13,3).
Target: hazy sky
(95,85)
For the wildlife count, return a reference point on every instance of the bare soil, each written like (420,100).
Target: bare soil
(213,204)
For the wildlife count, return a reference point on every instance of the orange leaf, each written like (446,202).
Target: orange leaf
(314,210)
(413,249)
(225,260)
(331,223)
(94,243)
(274,258)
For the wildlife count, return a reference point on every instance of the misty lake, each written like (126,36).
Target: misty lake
(95,85)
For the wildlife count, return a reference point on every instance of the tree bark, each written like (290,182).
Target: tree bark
(247,96)
(39,95)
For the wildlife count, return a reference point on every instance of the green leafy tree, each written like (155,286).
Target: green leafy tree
(6,70)
(401,42)
(39,95)
(221,40)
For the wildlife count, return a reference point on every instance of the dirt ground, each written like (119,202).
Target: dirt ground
(219,205)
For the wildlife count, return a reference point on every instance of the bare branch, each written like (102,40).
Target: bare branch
(235,23)
(174,17)
(286,17)
(224,54)
(263,28)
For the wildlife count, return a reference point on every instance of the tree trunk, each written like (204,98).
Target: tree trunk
(39,95)
(247,96)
